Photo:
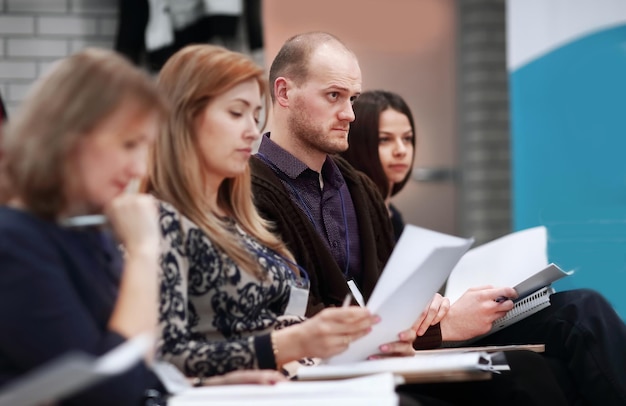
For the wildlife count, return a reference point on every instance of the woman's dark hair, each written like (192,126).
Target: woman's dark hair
(3,112)
(363,137)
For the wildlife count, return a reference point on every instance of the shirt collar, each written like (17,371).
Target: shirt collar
(293,167)
(281,158)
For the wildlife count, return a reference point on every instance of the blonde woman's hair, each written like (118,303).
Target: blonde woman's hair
(78,94)
(190,80)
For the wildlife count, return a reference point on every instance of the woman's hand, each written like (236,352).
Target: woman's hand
(134,219)
(436,310)
(327,333)
(259,377)
(473,313)
(401,348)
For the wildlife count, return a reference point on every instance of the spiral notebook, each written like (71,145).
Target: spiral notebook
(524,308)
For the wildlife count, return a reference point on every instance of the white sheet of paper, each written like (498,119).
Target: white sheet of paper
(506,261)
(356,293)
(377,388)
(418,266)
(125,355)
(73,372)
(172,378)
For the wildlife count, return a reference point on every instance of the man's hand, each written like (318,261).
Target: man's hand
(401,348)
(473,313)
(436,310)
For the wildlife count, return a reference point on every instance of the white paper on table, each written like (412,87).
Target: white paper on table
(377,389)
(418,266)
(506,261)
(418,364)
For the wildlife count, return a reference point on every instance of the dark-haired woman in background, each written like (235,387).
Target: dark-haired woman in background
(382,145)
(3,112)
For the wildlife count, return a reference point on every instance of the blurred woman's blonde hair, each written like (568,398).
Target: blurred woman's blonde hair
(190,80)
(73,98)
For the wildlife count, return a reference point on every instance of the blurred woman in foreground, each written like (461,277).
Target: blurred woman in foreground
(71,151)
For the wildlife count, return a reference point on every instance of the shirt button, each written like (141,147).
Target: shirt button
(335,244)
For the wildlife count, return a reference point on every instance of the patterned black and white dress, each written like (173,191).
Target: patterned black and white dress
(215,317)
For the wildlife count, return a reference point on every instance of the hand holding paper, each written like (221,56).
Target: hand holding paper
(436,310)
(327,333)
(418,266)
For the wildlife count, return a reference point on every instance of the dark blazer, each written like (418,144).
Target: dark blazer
(58,288)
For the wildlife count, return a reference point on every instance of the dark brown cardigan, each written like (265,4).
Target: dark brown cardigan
(328,284)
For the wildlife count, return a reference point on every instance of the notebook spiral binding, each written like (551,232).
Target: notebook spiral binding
(525,307)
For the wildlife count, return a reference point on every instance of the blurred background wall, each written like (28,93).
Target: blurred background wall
(408,47)
(568,95)
(34,33)
(445,57)
(448,58)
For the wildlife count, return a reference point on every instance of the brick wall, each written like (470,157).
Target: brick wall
(35,33)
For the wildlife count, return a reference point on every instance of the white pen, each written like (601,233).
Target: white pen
(84,221)
(98,219)
(347,300)
(356,293)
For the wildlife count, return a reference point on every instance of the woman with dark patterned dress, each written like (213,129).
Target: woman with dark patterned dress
(232,297)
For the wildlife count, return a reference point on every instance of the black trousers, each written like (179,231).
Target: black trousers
(585,343)
(530,382)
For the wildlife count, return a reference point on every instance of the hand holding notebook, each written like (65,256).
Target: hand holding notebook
(518,260)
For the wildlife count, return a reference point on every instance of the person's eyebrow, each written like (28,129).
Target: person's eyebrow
(336,87)
(246,102)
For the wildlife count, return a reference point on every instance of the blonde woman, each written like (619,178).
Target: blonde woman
(232,296)
(70,150)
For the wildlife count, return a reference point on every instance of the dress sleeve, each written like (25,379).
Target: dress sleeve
(43,317)
(190,351)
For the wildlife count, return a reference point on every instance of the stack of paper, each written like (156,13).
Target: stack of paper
(430,367)
(375,390)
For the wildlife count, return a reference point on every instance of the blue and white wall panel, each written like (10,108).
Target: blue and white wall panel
(567,71)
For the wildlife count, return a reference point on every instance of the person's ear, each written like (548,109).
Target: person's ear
(281,91)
